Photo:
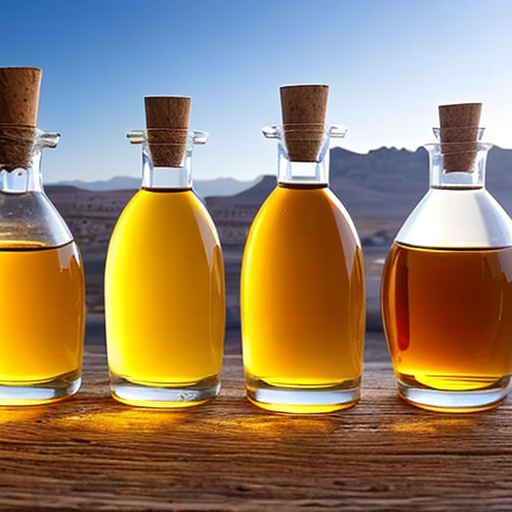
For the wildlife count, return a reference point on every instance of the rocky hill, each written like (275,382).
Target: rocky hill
(379,189)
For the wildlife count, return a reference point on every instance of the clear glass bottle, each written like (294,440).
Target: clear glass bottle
(164,288)
(302,287)
(447,288)
(42,296)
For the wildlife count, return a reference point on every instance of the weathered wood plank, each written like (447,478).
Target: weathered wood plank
(92,453)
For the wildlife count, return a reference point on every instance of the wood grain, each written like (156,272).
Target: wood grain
(91,453)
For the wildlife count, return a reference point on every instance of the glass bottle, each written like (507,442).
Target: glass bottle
(447,287)
(164,285)
(42,296)
(302,287)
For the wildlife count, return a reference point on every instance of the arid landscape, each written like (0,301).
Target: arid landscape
(378,189)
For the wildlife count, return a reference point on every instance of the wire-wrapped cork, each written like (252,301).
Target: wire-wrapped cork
(19,103)
(303,109)
(459,132)
(167,119)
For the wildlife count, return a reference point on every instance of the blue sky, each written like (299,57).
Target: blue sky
(389,65)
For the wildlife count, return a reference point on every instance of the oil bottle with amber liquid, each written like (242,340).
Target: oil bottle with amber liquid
(42,296)
(302,284)
(447,281)
(164,281)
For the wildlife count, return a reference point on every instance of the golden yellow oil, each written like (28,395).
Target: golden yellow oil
(164,292)
(42,313)
(302,297)
(447,316)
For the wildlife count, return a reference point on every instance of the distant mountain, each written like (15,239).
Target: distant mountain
(116,183)
(379,190)
(389,181)
(222,186)
(205,188)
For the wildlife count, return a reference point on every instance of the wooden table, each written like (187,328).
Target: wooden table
(92,453)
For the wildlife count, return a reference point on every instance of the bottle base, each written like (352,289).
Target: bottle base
(303,400)
(455,401)
(161,395)
(40,392)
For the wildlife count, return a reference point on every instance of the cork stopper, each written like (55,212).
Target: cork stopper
(167,120)
(19,103)
(459,133)
(303,109)
(460,115)
(19,95)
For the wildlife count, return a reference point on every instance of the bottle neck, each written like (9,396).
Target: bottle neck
(165,178)
(28,217)
(160,177)
(458,165)
(303,153)
(302,174)
(23,179)
(20,158)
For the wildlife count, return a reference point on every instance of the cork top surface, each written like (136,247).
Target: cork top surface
(19,96)
(167,112)
(461,114)
(304,104)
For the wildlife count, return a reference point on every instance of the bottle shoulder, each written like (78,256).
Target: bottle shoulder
(159,214)
(31,217)
(450,218)
(291,210)
(152,205)
(316,199)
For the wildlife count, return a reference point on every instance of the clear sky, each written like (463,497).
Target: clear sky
(389,65)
